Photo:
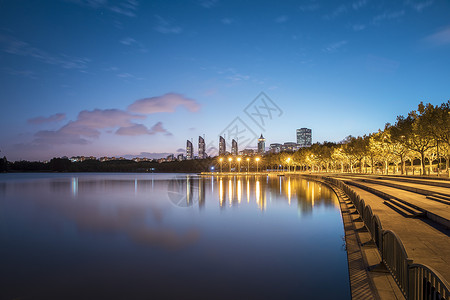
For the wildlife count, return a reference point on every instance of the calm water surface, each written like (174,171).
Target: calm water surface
(169,236)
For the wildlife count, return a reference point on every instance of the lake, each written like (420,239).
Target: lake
(169,236)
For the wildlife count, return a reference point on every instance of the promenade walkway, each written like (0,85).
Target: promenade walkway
(425,241)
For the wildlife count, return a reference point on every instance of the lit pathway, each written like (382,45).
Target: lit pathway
(425,242)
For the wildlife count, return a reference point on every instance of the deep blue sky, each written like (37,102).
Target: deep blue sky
(98,77)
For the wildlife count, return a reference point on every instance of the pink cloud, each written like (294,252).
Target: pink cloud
(166,103)
(139,129)
(86,126)
(42,120)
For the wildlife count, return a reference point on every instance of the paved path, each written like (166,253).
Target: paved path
(366,280)
(426,242)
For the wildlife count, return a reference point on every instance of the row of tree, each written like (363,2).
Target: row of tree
(421,137)
(65,165)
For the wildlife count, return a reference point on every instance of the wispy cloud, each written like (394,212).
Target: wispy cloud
(166,103)
(42,120)
(359,4)
(227,21)
(309,7)
(140,129)
(439,38)
(388,16)
(358,27)
(126,75)
(208,3)
(332,48)
(419,5)
(17,47)
(129,41)
(166,26)
(127,7)
(381,64)
(340,10)
(282,19)
(23,73)
(233,75)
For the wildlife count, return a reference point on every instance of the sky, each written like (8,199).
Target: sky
(139,78)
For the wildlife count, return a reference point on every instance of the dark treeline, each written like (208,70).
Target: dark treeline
(65,165)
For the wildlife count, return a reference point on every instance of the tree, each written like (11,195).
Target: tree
(397,137)
(3,164)
(419,139)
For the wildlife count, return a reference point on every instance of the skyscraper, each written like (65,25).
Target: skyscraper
(234,147)
(201,148)
(222,146)
(304,137)
(189,150)
(261,145)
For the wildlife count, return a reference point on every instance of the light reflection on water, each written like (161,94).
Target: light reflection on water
(141,235)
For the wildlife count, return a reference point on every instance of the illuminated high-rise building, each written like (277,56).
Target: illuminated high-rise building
(201,148)
(222,146)
(261,145)
(234,147)
(189,150)
(304,137)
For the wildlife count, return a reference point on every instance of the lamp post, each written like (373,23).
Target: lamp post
(248,164)
(288,160)
(257,161)
(239,163)
(230,160)
(221,161)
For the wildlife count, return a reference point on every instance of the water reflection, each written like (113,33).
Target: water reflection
(257,189)
(141,233)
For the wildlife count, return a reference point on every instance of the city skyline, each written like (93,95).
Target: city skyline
(135,78)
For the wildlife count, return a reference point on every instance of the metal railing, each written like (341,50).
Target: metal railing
(426,283)
(396,260)
(416,281)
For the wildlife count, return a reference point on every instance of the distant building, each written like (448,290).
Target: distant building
(304,137)
(170,157)
(201,148)
(275,148)
(222,146)
(82,158)
(289,147)
(189,150)
(261,145)
(234,147)
(180,157)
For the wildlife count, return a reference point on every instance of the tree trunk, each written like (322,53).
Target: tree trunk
(403,164)
(422,162)
(431,165)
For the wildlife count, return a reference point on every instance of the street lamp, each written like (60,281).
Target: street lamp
(221,161)
(239,163)
(248,164)
(230,160)
(289,166)
(257,161)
